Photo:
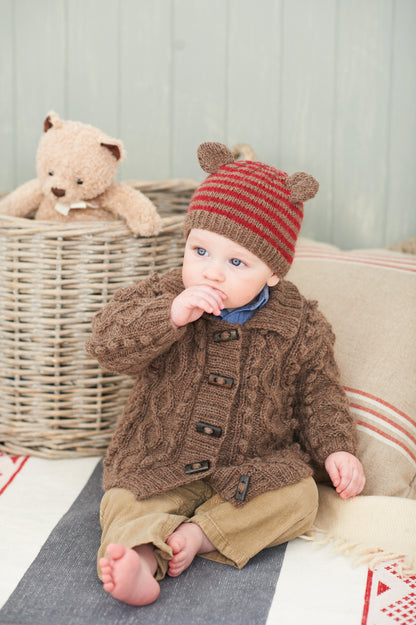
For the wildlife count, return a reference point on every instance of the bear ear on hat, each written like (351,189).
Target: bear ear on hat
(302,186)
(212,156)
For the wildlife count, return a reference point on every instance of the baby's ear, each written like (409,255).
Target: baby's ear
(273,280)
(212,156)
(301,186)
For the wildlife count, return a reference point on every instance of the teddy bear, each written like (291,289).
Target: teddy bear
(76,165)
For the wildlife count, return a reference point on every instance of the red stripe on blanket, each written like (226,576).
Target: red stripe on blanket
(385,419)
(10,466)
(406,260)
(359,260)
(356,391)
(367,597)
(387,437)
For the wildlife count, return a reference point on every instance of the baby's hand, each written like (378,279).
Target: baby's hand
(346,473)
(191,304)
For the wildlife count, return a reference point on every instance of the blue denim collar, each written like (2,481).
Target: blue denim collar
(244,313)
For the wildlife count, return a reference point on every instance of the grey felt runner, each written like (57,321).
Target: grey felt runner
(61,586)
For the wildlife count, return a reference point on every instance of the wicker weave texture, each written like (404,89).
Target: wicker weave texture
(55,401)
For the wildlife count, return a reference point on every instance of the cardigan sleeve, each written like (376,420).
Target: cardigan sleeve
(325,424)
(134,328)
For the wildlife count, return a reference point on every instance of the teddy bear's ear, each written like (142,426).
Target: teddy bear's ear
(302,186)
(212,156)
(116,149)
(52,120)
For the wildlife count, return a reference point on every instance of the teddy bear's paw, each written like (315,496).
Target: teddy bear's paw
(147,227)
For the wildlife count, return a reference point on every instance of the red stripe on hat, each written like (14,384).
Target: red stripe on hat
(216,187)
(201,197)
(252,173)
(296,208)
(272,186)
(256,166)
(237,202)
(269,177)
(237,219)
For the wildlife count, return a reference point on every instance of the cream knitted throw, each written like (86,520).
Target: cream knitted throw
(371,529)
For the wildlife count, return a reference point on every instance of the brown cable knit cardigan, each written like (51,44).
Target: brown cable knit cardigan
(246,407)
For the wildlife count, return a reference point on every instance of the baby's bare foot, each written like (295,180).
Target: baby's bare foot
(127,576)
(186,541)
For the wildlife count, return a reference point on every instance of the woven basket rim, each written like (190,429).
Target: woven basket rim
(179,184)
(118,227)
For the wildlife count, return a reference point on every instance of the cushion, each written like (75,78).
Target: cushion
(369,297)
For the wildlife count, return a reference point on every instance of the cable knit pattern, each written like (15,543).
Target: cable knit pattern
(220,401)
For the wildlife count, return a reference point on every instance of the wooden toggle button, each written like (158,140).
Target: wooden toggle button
(220,380)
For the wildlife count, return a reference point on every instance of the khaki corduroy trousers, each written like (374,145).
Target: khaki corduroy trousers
(237,533)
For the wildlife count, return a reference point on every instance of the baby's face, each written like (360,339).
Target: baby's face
(213,260)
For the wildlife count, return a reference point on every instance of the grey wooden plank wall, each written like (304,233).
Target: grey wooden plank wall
(324,86)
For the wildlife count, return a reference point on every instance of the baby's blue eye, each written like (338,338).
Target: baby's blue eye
(236,262)
(201,251)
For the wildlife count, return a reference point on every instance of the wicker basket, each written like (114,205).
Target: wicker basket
(55,401)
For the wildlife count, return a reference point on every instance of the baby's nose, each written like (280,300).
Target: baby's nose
(214,272)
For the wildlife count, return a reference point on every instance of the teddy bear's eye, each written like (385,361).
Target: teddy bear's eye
(79,181)
(51,173)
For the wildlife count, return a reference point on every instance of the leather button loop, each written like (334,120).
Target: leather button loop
(197,467)
(220,380)
(208,429)
(242,487)
(222,336)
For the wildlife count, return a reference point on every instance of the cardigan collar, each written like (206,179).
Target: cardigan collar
(242,314)
(281,314)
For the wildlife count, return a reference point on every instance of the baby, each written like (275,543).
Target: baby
(237,396)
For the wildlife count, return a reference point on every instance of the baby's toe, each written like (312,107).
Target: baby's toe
(176,543)
(174,572)
(178,559)
(109,586)
(107,578)
(106,568)
(116,550)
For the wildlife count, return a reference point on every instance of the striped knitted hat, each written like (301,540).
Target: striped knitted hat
(253,204)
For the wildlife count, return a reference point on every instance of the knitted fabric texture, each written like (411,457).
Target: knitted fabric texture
(220,401)
(251,203)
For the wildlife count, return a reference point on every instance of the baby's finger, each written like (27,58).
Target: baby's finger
(357,485)
(214,297)
(333,472)
(354,487)
(218,295)
(208,303)
(345,485)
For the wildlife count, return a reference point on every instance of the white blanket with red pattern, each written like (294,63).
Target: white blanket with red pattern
(315,586)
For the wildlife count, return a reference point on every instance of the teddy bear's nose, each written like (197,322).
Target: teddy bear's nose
(58,192)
